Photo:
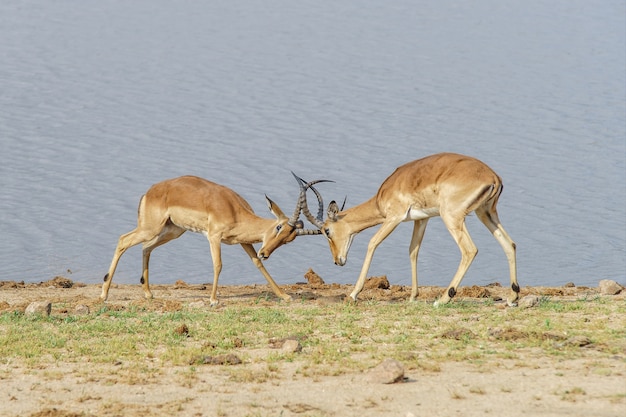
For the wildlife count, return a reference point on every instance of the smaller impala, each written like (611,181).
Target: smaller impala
(172,207)
(447,185)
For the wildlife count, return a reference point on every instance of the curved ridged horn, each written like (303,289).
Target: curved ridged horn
(304,186)
(293,220)
(308,232)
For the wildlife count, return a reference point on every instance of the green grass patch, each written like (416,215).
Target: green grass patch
(335,338)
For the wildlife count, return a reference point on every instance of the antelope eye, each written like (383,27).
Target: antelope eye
(280,226)
(327,232)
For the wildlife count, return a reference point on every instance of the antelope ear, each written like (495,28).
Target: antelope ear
(333,209)
(274,209)
(299,225)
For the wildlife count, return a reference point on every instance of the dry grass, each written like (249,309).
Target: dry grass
(175,338)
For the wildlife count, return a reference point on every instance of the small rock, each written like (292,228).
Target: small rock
(528,301)
(570,285)
(39,307)
(609,287)
(81,310)
(291,346)
(388,371)
(280,343)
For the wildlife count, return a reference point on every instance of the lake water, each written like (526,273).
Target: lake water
(101,99)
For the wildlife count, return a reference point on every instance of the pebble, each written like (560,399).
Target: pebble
(291,346)
(39,307)
(528,301)
(609,287)
(81,310)
(388,371)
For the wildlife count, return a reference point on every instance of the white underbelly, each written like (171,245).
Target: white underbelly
(421,213)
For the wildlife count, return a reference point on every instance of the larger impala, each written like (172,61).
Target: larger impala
(172,207)
(447,185)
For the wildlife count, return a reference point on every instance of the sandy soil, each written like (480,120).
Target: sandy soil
(541,388)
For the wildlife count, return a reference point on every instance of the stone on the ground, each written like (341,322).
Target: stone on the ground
(388,371)
(291,346)
(39,307)
(528,301)
(81,310)
(609,287)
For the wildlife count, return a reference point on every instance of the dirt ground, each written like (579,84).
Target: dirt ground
(542,388)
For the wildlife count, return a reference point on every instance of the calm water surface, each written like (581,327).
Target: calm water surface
(101,99)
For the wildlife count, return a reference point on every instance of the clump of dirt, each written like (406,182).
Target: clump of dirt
(12,284)
(53,412)
(180,284)
(474,292)
(59,282)
(380,282)
(312,278)
(159,305)
(182,330)
(507,334)
(229,359)
(458,334)
(277,343)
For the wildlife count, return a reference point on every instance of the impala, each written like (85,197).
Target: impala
(172,207)
(447,185)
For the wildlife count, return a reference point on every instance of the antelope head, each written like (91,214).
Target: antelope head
(285,228)
(336,231)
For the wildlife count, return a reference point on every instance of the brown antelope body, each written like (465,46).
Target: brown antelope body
(447,185)
(172,207)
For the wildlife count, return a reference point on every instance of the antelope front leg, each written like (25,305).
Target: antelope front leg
(257,262)
(216,254)
(124,242)
(378,237)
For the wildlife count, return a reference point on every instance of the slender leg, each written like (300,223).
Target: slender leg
(376,240)
(419,227)
(125,241)
(257,262)
(170,232)
(216,255)
(144,274)
(461,236)
(490,219)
